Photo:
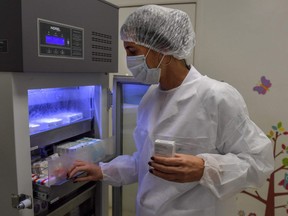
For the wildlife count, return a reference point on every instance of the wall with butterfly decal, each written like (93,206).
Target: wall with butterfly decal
(263,86)
(245,43)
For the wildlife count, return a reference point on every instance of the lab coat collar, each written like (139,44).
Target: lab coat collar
(181,93)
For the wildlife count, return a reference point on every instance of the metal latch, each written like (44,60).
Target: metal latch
(21,201)
(109,99)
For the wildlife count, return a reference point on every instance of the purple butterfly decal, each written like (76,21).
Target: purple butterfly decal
(264,86)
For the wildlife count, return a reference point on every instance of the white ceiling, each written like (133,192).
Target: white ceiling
(124,3)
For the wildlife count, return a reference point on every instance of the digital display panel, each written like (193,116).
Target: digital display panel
(53,40)
(59,40)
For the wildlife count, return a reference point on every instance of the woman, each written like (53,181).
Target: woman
(219,150)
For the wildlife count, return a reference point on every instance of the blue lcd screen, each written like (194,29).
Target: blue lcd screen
(55,40)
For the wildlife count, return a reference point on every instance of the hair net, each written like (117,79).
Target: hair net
(165,30)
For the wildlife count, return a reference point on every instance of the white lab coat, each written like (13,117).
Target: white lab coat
(205,118)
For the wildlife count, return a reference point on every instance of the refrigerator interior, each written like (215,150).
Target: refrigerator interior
(47,128)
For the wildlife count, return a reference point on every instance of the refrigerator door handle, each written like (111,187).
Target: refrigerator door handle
(109,99)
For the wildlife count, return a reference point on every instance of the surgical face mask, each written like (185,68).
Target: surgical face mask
(138,67)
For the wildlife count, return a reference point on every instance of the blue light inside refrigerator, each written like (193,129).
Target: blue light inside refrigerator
(133,93)
(56,107)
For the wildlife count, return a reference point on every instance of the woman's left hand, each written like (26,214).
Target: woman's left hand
(180,168)
(93,171)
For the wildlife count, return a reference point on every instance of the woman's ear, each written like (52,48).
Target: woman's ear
(167,60)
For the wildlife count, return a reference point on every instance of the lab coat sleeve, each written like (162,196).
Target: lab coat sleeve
(245,156)
(121,170)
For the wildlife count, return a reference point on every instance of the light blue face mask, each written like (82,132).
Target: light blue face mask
(138,67)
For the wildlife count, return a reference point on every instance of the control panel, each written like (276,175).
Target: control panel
(60,40)
(59,36)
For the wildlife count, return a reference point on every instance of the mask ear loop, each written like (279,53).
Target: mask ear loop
(147,53)
(161,61)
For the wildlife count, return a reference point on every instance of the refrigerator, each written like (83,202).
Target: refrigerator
(46,125)
(127,94)
(55,60)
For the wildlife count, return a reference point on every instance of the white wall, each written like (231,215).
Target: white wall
(238,42)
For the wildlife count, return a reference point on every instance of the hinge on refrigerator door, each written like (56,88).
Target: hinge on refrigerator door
(109,99)
(21,201)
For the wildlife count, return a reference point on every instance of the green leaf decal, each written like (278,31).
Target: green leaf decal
(285,161)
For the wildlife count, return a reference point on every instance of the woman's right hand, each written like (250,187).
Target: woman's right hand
(93,171)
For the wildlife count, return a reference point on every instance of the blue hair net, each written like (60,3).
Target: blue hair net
(165,30)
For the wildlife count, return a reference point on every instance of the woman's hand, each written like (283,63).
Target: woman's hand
(94,172)
(181,168)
